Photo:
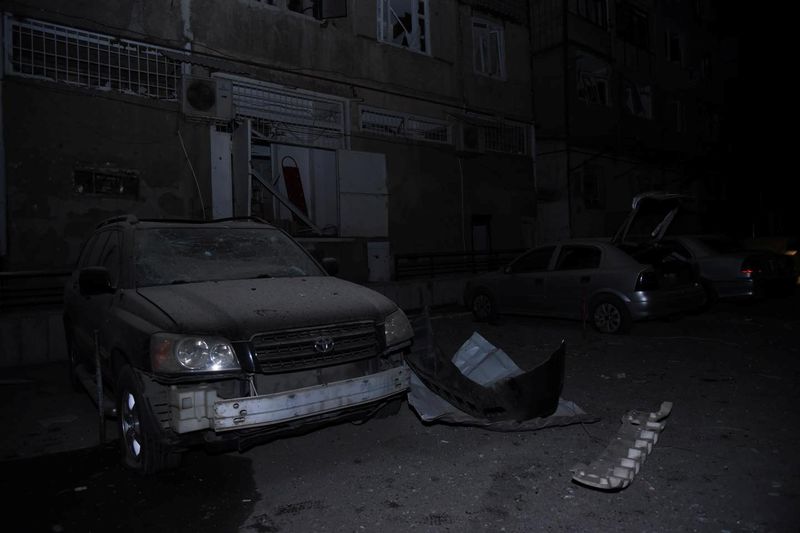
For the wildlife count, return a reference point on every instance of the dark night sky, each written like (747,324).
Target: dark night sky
(758,124)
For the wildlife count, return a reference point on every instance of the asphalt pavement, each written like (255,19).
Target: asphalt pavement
(727,460)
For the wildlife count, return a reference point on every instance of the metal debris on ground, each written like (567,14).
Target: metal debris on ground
(617,465)
(482,386)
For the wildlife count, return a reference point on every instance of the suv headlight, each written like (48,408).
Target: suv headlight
(177,354)
(397,328)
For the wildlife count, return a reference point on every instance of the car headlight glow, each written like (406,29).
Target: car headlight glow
(397,328)
(174,354)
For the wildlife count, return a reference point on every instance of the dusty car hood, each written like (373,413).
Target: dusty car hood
(238,309)
(650,216)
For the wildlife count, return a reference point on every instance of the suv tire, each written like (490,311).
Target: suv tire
(141,440)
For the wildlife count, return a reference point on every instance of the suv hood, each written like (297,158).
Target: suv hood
(239,309)
(650,216)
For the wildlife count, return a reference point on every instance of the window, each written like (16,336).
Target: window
(678,115)
(506,138)
(488,51)
(534,261)
(106,182)
(595,11)
(95,246)
(593,75)
(578,258)
(592,89)
(633,26)
(404,23)
(591,184)
(638,99)
(111,257)
(383,122)
(58,53)
(673,47)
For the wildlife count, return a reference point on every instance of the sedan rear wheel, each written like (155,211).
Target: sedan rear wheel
(609,315)
(483,308)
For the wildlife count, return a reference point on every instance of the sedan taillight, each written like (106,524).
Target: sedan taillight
(648,281)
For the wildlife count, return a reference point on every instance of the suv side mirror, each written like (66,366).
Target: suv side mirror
(94,280)
(331,265)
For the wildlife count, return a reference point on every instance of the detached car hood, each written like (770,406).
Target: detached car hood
(238,309)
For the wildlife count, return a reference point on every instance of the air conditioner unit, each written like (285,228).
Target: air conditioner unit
(210,98)
(470,138)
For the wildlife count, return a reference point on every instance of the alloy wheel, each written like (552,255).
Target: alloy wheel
(131,427)
(607,317)
(482,307)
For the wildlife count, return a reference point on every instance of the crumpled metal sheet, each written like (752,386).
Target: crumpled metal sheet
(482,386)
(616,466)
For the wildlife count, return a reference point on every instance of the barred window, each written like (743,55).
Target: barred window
(58,53)
(291,117)
(404,125)
(506,138)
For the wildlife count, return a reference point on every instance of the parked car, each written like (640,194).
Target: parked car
(610,283)
(728,270)
(225,333)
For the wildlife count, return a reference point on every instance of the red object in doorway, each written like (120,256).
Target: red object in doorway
(294,184)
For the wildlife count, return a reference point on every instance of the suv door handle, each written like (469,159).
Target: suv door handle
(585,279)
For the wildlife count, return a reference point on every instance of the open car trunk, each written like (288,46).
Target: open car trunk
(651,215)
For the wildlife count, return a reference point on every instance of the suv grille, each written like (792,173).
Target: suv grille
(294,349)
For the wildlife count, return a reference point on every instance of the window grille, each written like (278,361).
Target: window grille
(58,53)
(290,117)
(403,125)
(506,138)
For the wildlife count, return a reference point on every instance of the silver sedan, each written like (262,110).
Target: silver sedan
(588,280)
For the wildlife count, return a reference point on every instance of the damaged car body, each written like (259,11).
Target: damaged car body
(226,334)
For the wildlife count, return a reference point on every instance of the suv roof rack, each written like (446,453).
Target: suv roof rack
(133,219)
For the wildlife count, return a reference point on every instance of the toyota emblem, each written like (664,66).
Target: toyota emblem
(323,345)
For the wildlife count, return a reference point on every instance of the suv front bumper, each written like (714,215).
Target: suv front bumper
(198,408)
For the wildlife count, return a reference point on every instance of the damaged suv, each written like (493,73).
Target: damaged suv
(225,334)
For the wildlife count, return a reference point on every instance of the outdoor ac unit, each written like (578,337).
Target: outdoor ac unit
(207,97)
(470,138)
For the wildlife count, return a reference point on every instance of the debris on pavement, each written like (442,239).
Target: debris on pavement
(617,465)
(482,386)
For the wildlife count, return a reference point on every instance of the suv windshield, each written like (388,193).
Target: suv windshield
(166,256)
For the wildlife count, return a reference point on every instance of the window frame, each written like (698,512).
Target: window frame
(384,28)
(568,247)
(478,56)
(511,267)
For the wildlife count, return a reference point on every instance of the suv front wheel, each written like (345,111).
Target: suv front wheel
(141,440)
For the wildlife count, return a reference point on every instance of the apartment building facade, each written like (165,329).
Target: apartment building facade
(365,128)
(629,98)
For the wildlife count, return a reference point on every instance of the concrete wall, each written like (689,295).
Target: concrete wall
(52,129)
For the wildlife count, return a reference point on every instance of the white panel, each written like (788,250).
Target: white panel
(221,177)
(326,192)
(362,172)
(379,261)
(363,215)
